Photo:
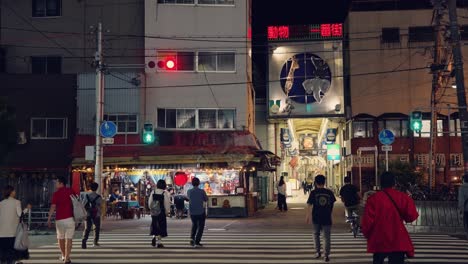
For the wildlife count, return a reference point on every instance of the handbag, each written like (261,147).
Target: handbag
(22,236)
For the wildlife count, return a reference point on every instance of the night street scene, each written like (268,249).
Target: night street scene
(233,131)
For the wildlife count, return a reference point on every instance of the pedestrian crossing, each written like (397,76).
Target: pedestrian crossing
(244,247)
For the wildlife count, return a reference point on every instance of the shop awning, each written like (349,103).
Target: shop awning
(174,147)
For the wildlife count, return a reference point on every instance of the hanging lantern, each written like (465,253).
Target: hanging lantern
(180,178)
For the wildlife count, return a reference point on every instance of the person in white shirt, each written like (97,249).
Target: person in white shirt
(10,213)
(282,206)
(158,217)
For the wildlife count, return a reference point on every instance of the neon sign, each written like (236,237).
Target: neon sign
(304,32)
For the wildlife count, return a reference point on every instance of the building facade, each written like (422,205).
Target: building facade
(390,77)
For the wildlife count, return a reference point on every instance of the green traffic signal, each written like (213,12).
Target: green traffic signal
(416,121)
(148,134)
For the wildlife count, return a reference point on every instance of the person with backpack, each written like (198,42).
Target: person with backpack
(179,201)
(463,202)
(382,223)
(92,202)
(160,205)
(62,205)
(320,208)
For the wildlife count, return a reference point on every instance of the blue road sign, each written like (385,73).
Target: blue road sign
(386,137)
(108,129)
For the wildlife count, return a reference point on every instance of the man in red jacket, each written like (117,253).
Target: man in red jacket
(382,223)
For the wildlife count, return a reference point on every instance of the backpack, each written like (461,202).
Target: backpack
(79,210)
(156,206)
(91,207)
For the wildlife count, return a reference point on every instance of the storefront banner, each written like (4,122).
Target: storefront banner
(331,135)
(333,152)
(134,179)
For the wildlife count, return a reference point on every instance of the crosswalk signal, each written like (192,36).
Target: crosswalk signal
(416,121)
(148,134)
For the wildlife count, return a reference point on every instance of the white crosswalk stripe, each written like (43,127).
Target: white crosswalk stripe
(245,247)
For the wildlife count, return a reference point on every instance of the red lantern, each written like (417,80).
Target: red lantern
(180,178)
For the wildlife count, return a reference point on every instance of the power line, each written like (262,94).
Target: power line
(244,83)
(38,30)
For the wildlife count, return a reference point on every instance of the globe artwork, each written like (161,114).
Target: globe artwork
(305,78)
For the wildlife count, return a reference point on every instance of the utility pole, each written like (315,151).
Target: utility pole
(460,79)
(436,80)
(99,108)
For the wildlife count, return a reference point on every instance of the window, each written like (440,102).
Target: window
(200,2)
(399,128)
(46,8)
(209,61)
(216,2)
(464,32)
(455,128)
(426,129)
(196,118)
(48,128)
(390,35)
(420,34)
(46,65)
(176,2)
(185,61)
(363,129)
(216,61)
(126,123)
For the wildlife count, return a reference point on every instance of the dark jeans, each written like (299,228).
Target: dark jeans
(326,237)
(97,228)
(282,202)
(198,225)
(393,258)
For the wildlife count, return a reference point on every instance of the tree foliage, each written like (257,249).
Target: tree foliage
(404,172)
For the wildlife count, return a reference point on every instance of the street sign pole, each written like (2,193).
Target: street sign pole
(99,109)
(386,159)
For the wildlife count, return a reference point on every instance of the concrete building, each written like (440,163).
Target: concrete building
(390,77)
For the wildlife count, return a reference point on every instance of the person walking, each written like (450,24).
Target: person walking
(382,223)
(92,202)
(282,206)
(160,206)
(320,208)
(350,196)
(197,200)
(10,213)
(179,202)
(463,202)
(64,222)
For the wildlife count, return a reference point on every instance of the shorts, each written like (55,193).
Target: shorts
(65,228)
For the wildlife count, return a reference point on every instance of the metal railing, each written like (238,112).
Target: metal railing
(438,216)
(37,218)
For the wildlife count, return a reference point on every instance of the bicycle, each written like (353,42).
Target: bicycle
(353,222)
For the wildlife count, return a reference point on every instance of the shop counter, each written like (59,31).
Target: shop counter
(226,206)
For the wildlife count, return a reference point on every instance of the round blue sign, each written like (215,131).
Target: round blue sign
(108,129)
(386,137)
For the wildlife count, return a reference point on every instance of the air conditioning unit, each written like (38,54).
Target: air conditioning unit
(404,159)
(21,139)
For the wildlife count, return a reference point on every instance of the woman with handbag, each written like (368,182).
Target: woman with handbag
(10,213)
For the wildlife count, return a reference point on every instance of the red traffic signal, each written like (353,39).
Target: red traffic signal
(167,64)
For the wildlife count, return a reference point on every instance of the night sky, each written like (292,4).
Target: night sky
(287,12)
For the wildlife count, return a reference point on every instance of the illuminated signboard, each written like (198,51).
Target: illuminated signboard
(304,32)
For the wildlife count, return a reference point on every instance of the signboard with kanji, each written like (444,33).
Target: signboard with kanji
(305,32)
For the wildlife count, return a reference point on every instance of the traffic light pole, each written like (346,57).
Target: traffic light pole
(99,108)
(460,79)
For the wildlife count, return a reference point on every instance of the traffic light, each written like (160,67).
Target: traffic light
(148,134)
(416,121)
(167,64)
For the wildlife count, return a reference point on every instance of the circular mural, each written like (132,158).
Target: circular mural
(305,78)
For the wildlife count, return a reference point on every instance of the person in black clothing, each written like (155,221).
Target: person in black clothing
(320,207)
(162,200)
(93,206)
(350,197)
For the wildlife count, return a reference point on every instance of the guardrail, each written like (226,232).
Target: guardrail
(437,216)
(37,218)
